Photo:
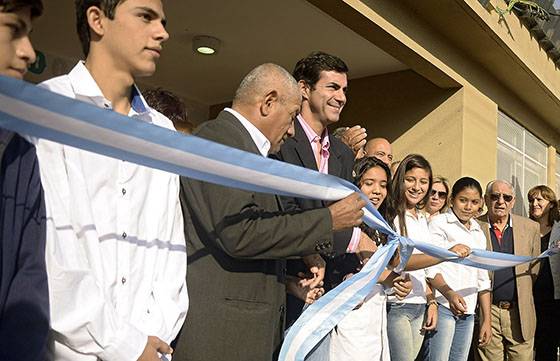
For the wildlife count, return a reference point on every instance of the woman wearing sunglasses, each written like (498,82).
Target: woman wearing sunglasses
(438,200)
(543,208)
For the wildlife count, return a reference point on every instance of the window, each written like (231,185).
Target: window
(522,160)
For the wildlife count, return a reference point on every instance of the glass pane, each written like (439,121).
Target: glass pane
(510,131)
(534,148)
(510,164)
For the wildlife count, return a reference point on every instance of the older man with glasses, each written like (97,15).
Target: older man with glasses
(513,311)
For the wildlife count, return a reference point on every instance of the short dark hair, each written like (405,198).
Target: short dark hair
(107,6)
(171,106)
(10,6)
(309,68)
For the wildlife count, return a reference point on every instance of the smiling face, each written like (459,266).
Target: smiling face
(416,183)
(466,204)
(438,197)
(133,39)
(327,97)
(374,185)
(538,206)
(16,51)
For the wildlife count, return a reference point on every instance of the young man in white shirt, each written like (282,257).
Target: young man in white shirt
(116,257)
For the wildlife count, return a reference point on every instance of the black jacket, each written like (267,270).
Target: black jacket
(24,297)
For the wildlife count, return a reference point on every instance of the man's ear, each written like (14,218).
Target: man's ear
(269,102)
(95,17)
(305,89)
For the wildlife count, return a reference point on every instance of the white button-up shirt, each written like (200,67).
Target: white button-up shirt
(448,231)
(116,255)
(417,229)
(261,141)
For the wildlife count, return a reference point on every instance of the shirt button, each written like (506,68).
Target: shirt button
(123,280)
(106,105)
(124,235)
(123,191)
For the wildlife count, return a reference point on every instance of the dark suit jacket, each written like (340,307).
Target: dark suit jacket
(526,242)
(297,150)
(236,245)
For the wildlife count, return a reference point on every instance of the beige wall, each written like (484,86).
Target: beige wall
(455,129)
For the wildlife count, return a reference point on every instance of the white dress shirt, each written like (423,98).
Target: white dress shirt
(116,255)
(261,141)
(448,231)
(417,229)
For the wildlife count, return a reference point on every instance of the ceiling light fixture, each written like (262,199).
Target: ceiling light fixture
(206,45)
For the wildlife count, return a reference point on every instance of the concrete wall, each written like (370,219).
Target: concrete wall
(455,129)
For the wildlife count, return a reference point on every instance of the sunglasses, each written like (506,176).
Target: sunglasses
(440,194)
(494,197)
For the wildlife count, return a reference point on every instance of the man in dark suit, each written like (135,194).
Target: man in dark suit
(237,240)
(323,82)
(513,312)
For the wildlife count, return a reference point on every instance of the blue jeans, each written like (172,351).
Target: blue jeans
(404,326)
(452,339)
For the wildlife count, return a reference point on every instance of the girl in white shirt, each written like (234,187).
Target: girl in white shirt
(459,286)
(362,334)
(409,318)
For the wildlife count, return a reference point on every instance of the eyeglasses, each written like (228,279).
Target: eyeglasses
(494,197)
(440,194)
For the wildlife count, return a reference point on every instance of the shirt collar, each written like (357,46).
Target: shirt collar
(452,218)
(419,214)
(84,85)
(312,135)
(262,142)
(509,222)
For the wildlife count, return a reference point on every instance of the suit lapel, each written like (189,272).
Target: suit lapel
(519,240)
(335,163)
(483,220)
(303,148)
(248,143)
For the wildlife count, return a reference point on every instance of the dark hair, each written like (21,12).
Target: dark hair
(82,26)
(398,205)
(10,6)
(548,194)
(361,167)
(465,182)
(169,105)
(309,68)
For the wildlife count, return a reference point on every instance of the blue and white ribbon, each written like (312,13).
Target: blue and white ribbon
(27,109)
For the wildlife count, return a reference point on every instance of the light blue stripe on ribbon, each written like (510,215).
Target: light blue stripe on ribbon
(27,109)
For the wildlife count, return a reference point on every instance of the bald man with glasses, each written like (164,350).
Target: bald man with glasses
(513,310)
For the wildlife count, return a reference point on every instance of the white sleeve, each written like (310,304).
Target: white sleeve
(170,299)
(438,237)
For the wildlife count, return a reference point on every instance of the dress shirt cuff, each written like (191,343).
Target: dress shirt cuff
(354,240)
(127,344)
